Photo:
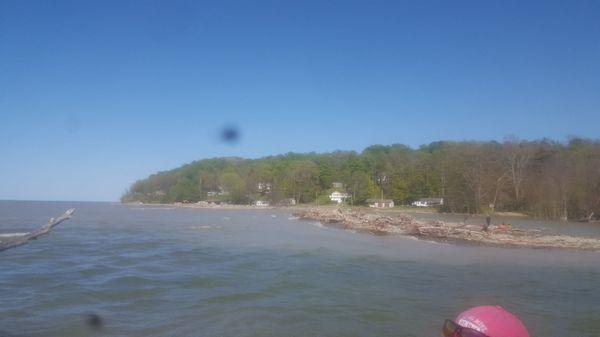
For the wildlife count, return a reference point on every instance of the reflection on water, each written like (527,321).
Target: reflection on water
(181,272)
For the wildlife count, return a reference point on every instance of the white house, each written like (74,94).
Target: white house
(338,197)
(263,187)
(261,203)
(427,202)
(215,193)
(288,202)
(380,203)
(337,185)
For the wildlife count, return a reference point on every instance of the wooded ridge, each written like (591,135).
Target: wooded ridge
(544,178)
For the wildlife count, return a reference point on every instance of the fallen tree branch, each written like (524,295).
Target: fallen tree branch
(23,239)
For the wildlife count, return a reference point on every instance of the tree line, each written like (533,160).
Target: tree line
(544,178)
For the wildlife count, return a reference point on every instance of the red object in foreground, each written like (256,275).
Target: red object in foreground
(451,329)
(493,321)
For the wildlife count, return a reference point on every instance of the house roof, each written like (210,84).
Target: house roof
(379,200)
(431,199)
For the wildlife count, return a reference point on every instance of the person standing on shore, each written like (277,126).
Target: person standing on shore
(488,221)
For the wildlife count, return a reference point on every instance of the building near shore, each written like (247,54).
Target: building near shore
(338,197)
(380,203)
(288,202)
(261,203)
(264,188)
(220,191)
(428,202)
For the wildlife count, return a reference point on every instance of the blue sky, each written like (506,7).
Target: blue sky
(94,95)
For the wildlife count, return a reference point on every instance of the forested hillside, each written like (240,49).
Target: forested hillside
(544,178)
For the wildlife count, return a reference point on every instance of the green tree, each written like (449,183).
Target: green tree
(184,189)
(234,185)
(361,187)
(303,180)
(398,189)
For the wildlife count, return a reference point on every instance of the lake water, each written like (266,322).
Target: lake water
(159,271)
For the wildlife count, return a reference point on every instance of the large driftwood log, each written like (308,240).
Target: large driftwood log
(23,239)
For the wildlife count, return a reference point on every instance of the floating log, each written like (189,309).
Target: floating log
(45,229)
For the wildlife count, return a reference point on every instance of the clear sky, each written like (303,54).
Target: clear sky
(94,95)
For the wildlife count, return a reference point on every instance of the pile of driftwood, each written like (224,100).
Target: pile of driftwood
(503,235)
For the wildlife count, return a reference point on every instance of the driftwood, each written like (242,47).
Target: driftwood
(403,224)
(23,239)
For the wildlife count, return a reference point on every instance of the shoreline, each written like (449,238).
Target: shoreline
(400,222)
(395,210)
(378,223)
(222,206)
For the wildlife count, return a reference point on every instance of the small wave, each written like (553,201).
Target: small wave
(8,235)
(205,227)
(414,238)
(293,218)
(150,208)
(273,216)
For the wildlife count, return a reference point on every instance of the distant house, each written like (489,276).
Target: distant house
(338,197)
(380,203)
(288,202)
(263,187)
(261,203)
(220,191)
(428,202)
(337,185)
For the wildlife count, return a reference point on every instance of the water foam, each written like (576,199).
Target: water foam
(8,235)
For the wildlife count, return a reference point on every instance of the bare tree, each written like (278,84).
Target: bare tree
(517,157)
